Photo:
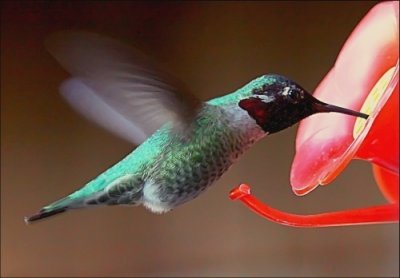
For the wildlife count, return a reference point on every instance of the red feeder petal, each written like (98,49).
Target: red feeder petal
(325,143)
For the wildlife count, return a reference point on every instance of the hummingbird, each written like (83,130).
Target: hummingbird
(184,144)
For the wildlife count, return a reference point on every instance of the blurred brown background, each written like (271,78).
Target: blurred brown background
(48,151)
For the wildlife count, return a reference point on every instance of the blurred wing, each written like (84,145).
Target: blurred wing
(119,88)
(84,100)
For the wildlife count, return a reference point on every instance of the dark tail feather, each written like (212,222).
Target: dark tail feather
(43,214)
(57,207)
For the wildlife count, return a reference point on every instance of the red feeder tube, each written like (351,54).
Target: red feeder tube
(371,215)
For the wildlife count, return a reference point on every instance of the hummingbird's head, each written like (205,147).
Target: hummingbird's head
(279,103)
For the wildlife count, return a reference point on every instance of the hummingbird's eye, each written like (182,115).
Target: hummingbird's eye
(294,95)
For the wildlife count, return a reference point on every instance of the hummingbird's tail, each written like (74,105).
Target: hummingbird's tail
(43,213)
(57,207)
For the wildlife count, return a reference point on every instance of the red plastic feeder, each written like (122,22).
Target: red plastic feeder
(365,77)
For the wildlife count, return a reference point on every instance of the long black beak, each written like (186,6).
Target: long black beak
(320,107)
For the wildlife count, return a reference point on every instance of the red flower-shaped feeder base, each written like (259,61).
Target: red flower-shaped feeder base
(366,76)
